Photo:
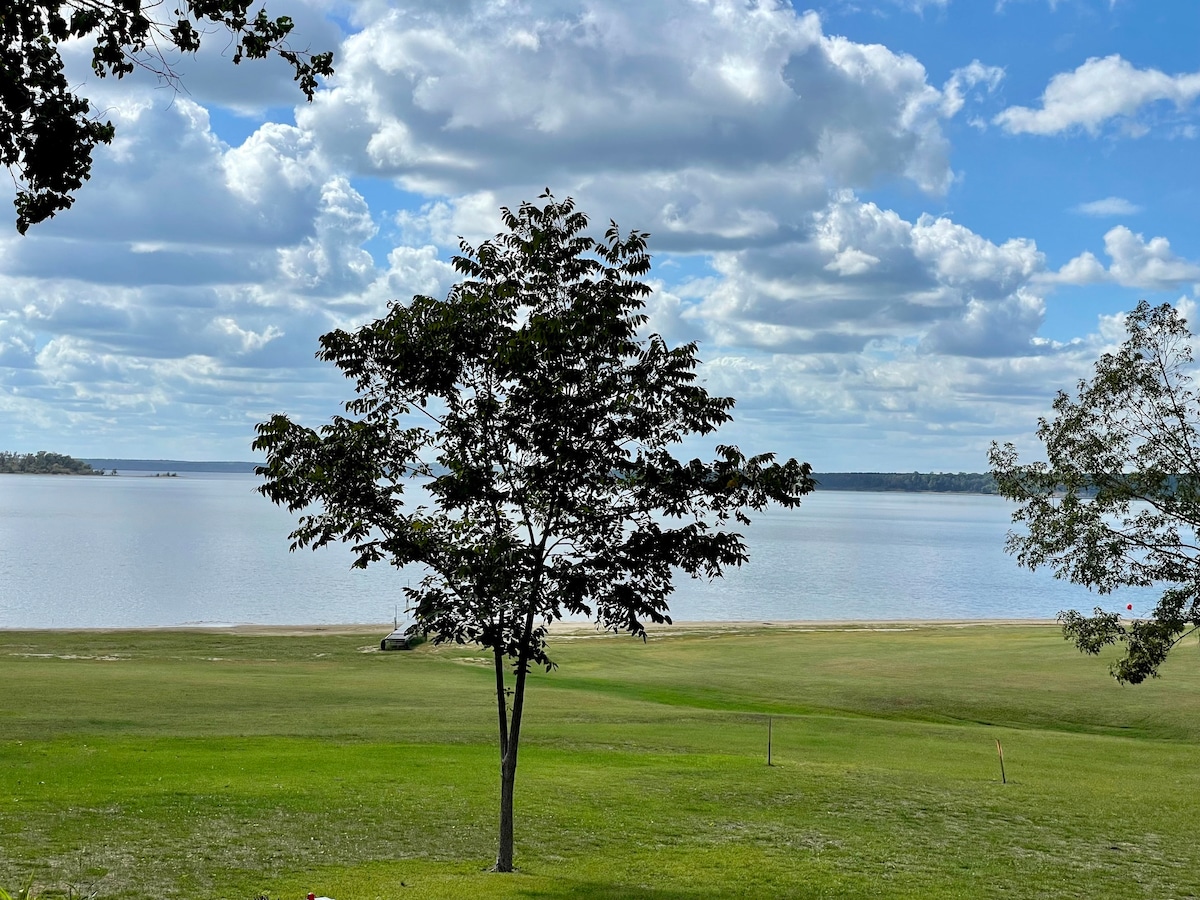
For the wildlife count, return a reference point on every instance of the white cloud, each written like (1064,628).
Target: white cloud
(186,290)
(1097,92)
(332,261)
(1083,269)
(1188,307)
(1109,206)
(852,262)
(458,101)
(893,402)
(1135,263)
(245,341)
(964,260)
(1139,263)
(170,187)
(188,286)
(961,81)
(997,329)
(864,275)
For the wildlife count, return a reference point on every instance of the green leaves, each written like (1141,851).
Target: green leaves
(540,425)
(1118,500)
(47,130)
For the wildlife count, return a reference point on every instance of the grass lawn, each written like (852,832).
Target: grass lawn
(223,765)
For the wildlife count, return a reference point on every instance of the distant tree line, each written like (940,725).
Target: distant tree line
(944,482)
(172,465)
(43,463)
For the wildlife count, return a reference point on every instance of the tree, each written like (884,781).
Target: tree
(47,130)
(1118,502)
(539,427)
(43,463)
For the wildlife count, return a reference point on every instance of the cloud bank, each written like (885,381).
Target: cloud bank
(180,301)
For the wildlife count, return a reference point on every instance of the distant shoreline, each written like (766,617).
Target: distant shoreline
(172,465)
(870,482)
(578,629)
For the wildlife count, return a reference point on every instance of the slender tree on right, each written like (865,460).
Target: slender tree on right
(1118,500)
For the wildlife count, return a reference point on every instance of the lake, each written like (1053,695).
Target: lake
(205,549)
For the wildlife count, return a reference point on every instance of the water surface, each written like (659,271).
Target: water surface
(206,549)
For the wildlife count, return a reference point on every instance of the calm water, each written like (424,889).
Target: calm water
(131,552)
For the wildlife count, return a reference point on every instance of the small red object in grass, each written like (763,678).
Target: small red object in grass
(1129,606)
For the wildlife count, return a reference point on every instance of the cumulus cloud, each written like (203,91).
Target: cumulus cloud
(1098,92)
(1135,263)
(185,292)
(1083,269)
(188,286)
(457,101)
(191,272)
(863,275)
(170,203)
(892,401)
(1139,263)
(332,261)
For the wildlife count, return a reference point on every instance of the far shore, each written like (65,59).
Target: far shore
(580,629)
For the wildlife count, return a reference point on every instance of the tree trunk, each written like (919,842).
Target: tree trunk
(508,774)
(508,761)
(508,771)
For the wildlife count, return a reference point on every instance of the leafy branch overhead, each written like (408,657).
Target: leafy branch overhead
(1118,501)
(48,131)
(515,439)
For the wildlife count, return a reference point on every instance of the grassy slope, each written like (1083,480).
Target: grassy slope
(225,765)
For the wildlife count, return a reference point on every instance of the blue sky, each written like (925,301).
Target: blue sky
(896,228)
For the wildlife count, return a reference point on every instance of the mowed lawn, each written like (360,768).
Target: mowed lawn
(224,765)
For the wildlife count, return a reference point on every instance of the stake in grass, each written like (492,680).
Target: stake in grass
(540,425)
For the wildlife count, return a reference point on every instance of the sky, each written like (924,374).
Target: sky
(895,228)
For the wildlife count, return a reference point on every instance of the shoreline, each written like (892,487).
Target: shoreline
(568,629)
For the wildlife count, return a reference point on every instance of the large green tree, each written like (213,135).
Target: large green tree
(536,428)
(48,130)
(1117,501)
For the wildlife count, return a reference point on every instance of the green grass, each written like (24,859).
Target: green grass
(154,765)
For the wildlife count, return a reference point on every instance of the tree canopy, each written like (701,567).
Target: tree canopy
(534,429)
(915,482)
(43,463)
(48,130)
(1118,500)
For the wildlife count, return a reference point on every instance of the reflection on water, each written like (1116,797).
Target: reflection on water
(201,548)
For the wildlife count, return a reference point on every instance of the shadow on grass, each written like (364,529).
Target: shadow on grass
(584,890)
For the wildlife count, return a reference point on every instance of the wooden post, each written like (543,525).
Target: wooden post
(768,740)
(1000,751)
